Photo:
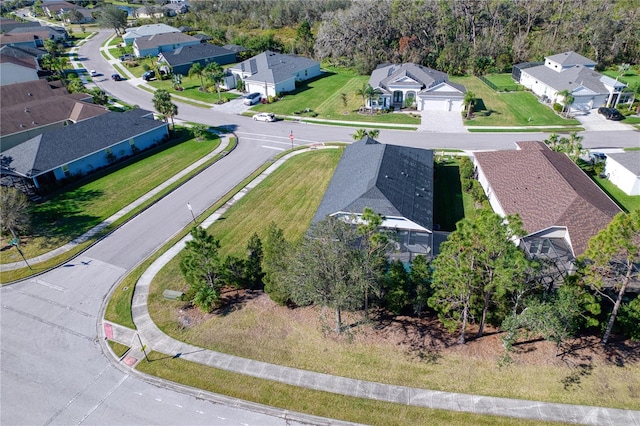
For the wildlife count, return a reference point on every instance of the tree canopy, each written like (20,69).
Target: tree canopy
(113,17)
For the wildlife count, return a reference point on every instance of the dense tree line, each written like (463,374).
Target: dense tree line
(454,36)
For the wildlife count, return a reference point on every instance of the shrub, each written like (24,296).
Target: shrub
(466,168)
(557,107)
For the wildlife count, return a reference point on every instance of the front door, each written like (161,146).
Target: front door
(397,98)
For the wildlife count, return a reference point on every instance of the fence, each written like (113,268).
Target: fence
(502,88)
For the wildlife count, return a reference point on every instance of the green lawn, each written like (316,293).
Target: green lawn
(191,90)
(627,202)
(508,109)
(82,206)
(499,80)
(323,96)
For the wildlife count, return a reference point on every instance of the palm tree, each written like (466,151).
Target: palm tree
(215,73)
(162,103)
(197,69)
(567,101)
(360,134)
(469,102)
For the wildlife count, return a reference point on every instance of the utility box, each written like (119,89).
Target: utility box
(172,294)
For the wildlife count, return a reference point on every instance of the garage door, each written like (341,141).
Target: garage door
(436,105)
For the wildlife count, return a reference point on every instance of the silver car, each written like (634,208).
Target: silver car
(252,98)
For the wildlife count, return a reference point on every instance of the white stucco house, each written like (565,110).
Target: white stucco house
(401,85)
(271,73)
(623,170)
(575,73)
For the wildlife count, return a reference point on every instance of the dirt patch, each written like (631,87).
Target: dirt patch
(423,339)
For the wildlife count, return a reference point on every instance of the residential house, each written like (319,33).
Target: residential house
(18,64)
(623,170)
(182,58)
(241,52)
(33,38)
(82,148)
(34,107)
(560,206)
(174,8)
(403,85)
(7,24)
(574,73)
(146,31)
(58,10)
(150,11)
(271,73)
(157,43)
(394,181)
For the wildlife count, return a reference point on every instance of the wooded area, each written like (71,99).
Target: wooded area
(453,36)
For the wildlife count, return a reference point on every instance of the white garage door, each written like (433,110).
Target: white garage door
(436,105)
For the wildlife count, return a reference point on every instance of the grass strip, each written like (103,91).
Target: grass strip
(317,403)
(118,348)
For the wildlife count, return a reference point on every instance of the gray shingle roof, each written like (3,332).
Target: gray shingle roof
(547,189)
(188,54)
(386,74)
(570,58)
(569,79)
(629,160)
(164,39)
(274,67)
(147,30)
(392,180)
(63,146)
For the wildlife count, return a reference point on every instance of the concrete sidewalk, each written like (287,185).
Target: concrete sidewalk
(153,338)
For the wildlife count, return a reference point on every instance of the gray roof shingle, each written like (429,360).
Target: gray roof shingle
(164,39)
(63,146)
(392,180)
(272,67)
(629,160)
(189,54)
(386,74)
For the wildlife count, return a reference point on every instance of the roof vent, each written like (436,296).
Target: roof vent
(26,110)
(22,125)
(29,94)
(34,123)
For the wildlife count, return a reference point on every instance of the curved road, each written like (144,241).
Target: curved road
(53,369)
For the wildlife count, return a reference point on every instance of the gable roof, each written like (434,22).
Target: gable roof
(8,25)
(156,40)
(392,180)
(147,30)
(188,54)
(571,58)
(547,189)
(50,150)
(386,75)
(630,160)
(24,62)
(33,104)
(24,37)
(272,67)
(569,79)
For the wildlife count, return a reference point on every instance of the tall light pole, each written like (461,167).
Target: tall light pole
(192,215)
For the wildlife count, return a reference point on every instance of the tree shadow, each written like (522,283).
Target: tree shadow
(233,300)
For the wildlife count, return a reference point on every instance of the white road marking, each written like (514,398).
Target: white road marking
(199,412)
(46,284)
(273,147)
(178,405)
(158,399)
(104,398)
(138,393)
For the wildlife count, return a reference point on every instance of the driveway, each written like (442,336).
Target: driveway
(441,122)
(594,122)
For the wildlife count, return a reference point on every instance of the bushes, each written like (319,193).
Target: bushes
(557,107)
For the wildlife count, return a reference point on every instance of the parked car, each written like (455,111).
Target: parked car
(265,116)
(611,113)
(116,77)
(252,98)
(149,75)
(126,57)
(93,73)
(597,157)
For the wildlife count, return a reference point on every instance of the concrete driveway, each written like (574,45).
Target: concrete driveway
(594,122)
(441,122)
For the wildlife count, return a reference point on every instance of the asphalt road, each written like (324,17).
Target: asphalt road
(53,369)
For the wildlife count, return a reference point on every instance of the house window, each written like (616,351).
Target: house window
(65,170)
(131,142)
(107,151)
(305,73)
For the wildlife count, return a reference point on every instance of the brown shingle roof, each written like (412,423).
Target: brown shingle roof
(33,104)
(547,189)
(24,37)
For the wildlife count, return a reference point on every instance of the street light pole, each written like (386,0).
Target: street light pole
(291,137)
(192,215)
